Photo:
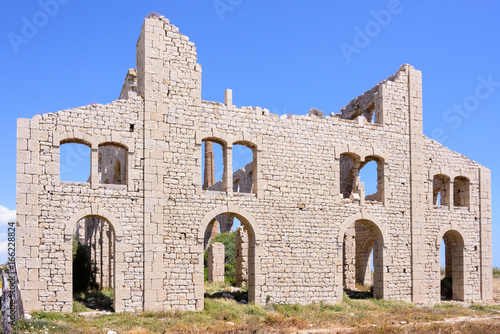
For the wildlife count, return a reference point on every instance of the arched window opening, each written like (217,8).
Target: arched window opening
(93,264)
(243,165)
(353,172)
(372,175)
(362,261)
(452,266)
(441,190)
(112,164)
(213,165)
(370,114)
(226,258)
(366,110)
(349,174)
(461,195)
(74,162)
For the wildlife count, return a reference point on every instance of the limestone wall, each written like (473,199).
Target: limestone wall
(241,249)
(48,209)
(295,215)
(215,256)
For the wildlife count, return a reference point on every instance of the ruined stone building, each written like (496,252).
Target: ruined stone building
(310,227)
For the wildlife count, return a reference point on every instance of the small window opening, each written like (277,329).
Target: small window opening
(461,191)
(369,114)
(349,170)
(372,175)
(243,162)
(368,175)
(212,166)
(441,187)
(74,162)
(112,164)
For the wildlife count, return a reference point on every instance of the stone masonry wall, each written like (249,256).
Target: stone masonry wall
(241,249)
(215,259)
(295,215)
(48,218)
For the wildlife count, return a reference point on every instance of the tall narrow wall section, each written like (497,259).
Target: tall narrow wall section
(296,215)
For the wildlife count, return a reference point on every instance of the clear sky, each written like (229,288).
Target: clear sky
(287,56)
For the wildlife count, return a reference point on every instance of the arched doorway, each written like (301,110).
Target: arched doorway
(253,236)
(114,274)
(226,257)
(93,264)
(362,243)
(452,278)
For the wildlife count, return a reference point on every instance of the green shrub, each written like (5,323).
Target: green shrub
(230,274)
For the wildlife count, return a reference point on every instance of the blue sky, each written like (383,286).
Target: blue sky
(287,56)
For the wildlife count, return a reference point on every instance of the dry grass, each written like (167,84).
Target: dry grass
(227,316)
(465,327)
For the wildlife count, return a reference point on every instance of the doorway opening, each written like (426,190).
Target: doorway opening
(362,254)
(93,265)
(228,269)
(452,266)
